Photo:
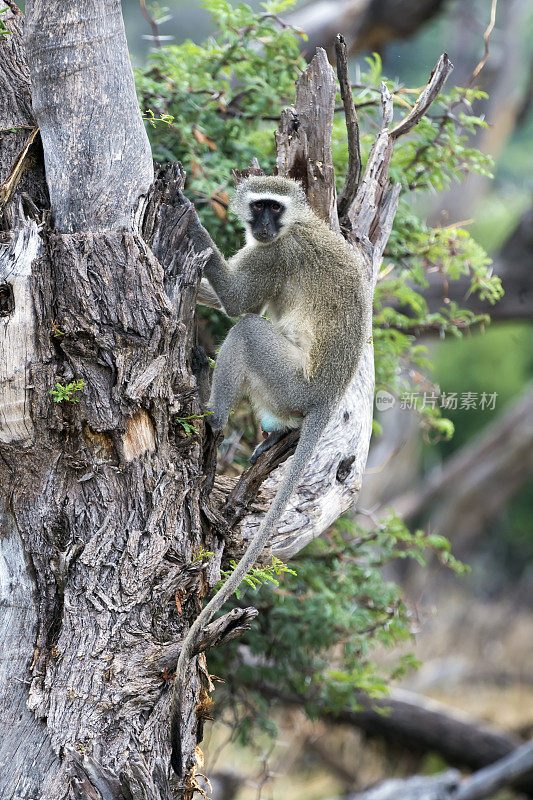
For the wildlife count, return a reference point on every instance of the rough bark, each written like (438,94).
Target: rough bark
(304,138)
(17,125)
(102,498)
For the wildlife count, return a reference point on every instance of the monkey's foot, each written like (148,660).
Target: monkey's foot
(273,438)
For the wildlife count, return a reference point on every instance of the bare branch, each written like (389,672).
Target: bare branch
(226,628)
(355,165)
(448,786)
(506,772)
(387,213)
(486,38)
(438,77)
(365,210)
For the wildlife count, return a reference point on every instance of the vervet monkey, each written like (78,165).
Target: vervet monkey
(296,362)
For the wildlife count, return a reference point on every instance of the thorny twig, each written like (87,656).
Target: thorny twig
(486,38)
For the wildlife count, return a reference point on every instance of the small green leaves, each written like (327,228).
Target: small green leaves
(4,31)
(317,635)
(150,117)
(187,425)
(68,392)
(258,576)
(202,555)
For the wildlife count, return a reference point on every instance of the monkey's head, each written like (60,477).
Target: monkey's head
(269,206)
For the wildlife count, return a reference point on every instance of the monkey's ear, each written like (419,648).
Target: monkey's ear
(240,175)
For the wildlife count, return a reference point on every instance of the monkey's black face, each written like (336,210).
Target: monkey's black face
(266,219)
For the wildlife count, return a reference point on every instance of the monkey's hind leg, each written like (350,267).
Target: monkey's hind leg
(228,379)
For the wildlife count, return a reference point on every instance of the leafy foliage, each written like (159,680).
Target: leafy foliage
(187,423)
(257,576)
(226,94)
(4,30)
(315,636)
(68,392)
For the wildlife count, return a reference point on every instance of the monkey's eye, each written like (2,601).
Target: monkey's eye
(276,207)
(257,206)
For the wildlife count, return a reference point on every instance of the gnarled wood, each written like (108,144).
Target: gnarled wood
(105,501)
(304,138)
(111,499)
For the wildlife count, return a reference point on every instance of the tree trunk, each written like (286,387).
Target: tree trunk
(101,508)
(106,501)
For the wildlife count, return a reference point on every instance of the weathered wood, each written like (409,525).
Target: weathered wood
(226,628)
(509,771)
(111,500)
(304,138)
(17,333)
(84,101)
(419,787)
(438,78)
(107,501)
(104,513)
(365,210)
(26,755)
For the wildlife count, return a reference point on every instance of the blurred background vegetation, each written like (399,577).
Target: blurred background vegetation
(473,633)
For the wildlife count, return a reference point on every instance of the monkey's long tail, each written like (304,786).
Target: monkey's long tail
(312,428)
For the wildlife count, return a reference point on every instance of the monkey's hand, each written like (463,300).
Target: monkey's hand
(198,235)
(207,296)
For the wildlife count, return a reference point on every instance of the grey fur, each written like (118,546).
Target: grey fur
(295,365)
